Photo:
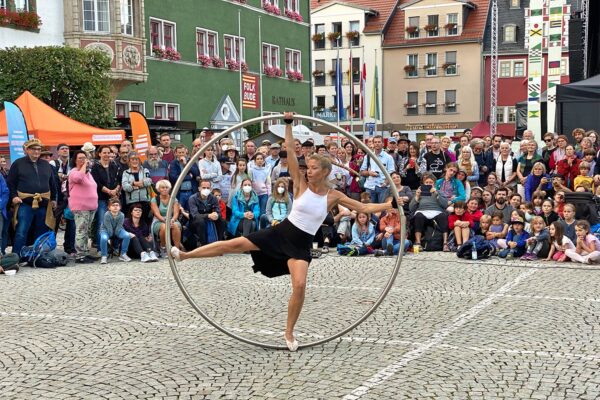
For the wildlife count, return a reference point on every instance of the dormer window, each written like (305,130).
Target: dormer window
(510,34)
(432,26)
(515,3)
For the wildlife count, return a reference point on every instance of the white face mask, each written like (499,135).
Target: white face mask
(280,190)
(205,192)
(247,188)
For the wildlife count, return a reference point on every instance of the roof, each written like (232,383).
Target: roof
(375,23)
(473,30)
(53,128)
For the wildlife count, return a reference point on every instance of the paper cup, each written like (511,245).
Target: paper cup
(10,272)
(416,249)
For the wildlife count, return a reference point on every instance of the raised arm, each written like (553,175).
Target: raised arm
(293,168)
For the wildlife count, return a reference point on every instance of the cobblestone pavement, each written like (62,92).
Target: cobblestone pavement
(448,329)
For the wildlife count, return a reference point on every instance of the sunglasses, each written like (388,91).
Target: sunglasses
(547,140)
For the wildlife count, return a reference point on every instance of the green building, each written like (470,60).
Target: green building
(194,50)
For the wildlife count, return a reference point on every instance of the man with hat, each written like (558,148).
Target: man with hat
(32,193)
(392,150)
(273,159)
(308,148)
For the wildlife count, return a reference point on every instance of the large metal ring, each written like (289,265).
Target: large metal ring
(226,132)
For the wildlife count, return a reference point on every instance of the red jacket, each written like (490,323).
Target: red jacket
(476,216)
(570,172)
(452,218)
(223,208)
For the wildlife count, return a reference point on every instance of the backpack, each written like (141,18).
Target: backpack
(433,238)
(52,259)
(485,248)
(45,243)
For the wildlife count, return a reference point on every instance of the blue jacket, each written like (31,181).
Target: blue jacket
(239,207)
(521,238)
(191,180)
(531,184)
(362,238)
(3,197)
(457,188)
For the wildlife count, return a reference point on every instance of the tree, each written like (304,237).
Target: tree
(73,81)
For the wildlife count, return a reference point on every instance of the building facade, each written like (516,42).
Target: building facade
(512,63)
(45,26)
(433,69)
(194,53)
(353,32)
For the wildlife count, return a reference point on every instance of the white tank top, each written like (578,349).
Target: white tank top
(309,211)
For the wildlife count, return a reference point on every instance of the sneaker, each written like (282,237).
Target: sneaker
(389,249)
(163,252)
(533,257)
(144,257)
(378,253)
(153,256)
(510,255)
(526,257)
(104,260)
(124,258)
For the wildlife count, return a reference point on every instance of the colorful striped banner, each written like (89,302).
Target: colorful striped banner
(535,66)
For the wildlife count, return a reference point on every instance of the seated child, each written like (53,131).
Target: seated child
(498,229)
(222,206)
(568,222)
(560,242)
(516,240)
(583,180)
(363,231)
(538,244)
(390,226)
(474,211)
(460,223)
(587,247)
(484,225)
(112,228)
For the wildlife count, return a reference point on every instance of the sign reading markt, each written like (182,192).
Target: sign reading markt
(420,127)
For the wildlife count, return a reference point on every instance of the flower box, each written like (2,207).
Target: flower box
(294,75)
(232,64)
(449,104)
(317,37)
(168,53)
(450,25)
(428,66)
(409,68)
(430,27)
(271,8)
(351,35)
(27,20)
(317,73)
(412,29)
(294,16)
(217,62)
(318,108)
(272,72)
(333,36)
(427,105)
(408,105)
(205,60)
(244,66)
(447,65)
(332,72)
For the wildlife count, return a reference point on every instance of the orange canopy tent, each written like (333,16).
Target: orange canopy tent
(53,128)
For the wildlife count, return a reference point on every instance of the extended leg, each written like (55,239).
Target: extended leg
(233,246)
(298,272)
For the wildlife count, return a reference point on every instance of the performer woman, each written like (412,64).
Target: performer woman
(285,247)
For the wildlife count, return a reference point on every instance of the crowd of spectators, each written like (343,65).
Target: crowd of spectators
(112,203)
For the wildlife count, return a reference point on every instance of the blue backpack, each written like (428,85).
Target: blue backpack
(44,244)
(485,248)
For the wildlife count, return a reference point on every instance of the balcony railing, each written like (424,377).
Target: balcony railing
(430,109)
(428,31)
(422,72)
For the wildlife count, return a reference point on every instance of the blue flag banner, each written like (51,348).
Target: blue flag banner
(17,130)
(339,96)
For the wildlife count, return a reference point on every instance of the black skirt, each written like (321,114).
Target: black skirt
(277,245)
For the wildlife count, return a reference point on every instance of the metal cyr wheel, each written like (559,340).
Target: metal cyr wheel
(214,323)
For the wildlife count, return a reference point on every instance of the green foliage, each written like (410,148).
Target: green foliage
(253,130)
(73,81)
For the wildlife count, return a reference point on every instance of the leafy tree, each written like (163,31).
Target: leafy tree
(73,81)
(253,130)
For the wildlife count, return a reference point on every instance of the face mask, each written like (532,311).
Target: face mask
(280,190)
(205,192)
(528,217)
(247,188)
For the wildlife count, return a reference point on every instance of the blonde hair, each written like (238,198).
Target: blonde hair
(324,162)
(537,219)
(163,183)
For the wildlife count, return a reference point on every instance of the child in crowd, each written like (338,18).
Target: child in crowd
(568,222)
(474,212)
(548,213)
(527,209)
(389,226)
(498,229)
(520,214)
(538,244)
(460,223)
(587,248)
(112,228)
(363,231)
(516,240)
(583,177)
(589,156)
(484,225)
(537,199)
(560,243)
(222,206)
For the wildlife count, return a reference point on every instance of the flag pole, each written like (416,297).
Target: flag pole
(351,81)
(240,65)
(260,71)
(363,91)
(338,86)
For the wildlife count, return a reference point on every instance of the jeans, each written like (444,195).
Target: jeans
(28,217)
(262,201)
(379,194)
(395,244)
(122,234)
(102,209)
(183,197)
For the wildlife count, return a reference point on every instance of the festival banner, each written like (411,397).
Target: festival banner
(17,130)
(339,95)
(250,91)
(140,133)
(374,113)
(555,38)
(535,65)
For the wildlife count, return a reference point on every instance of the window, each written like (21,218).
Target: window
(235,48)
(432,25)
(273,2)
(3,4)
(515,3)
(96,16)
(166,111)
(505,69)
(292,60)
(336,27)
(20,5)
(500,115)
(564,66)
(413,65)
(355,69)
(320,29)
(320,102)
(431,102)
(412,103)
(413,27)
(354,27)
(450,64)
(123,107)
(162,33)
(510,34)
(356,106)
(450,101)
(319,73)
(512,114)
(452,24)
(206,43)
(519,68)
(431,66)
(127,17)
(270,55)
(292,5)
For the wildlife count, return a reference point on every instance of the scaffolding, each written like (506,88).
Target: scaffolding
(493,67)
